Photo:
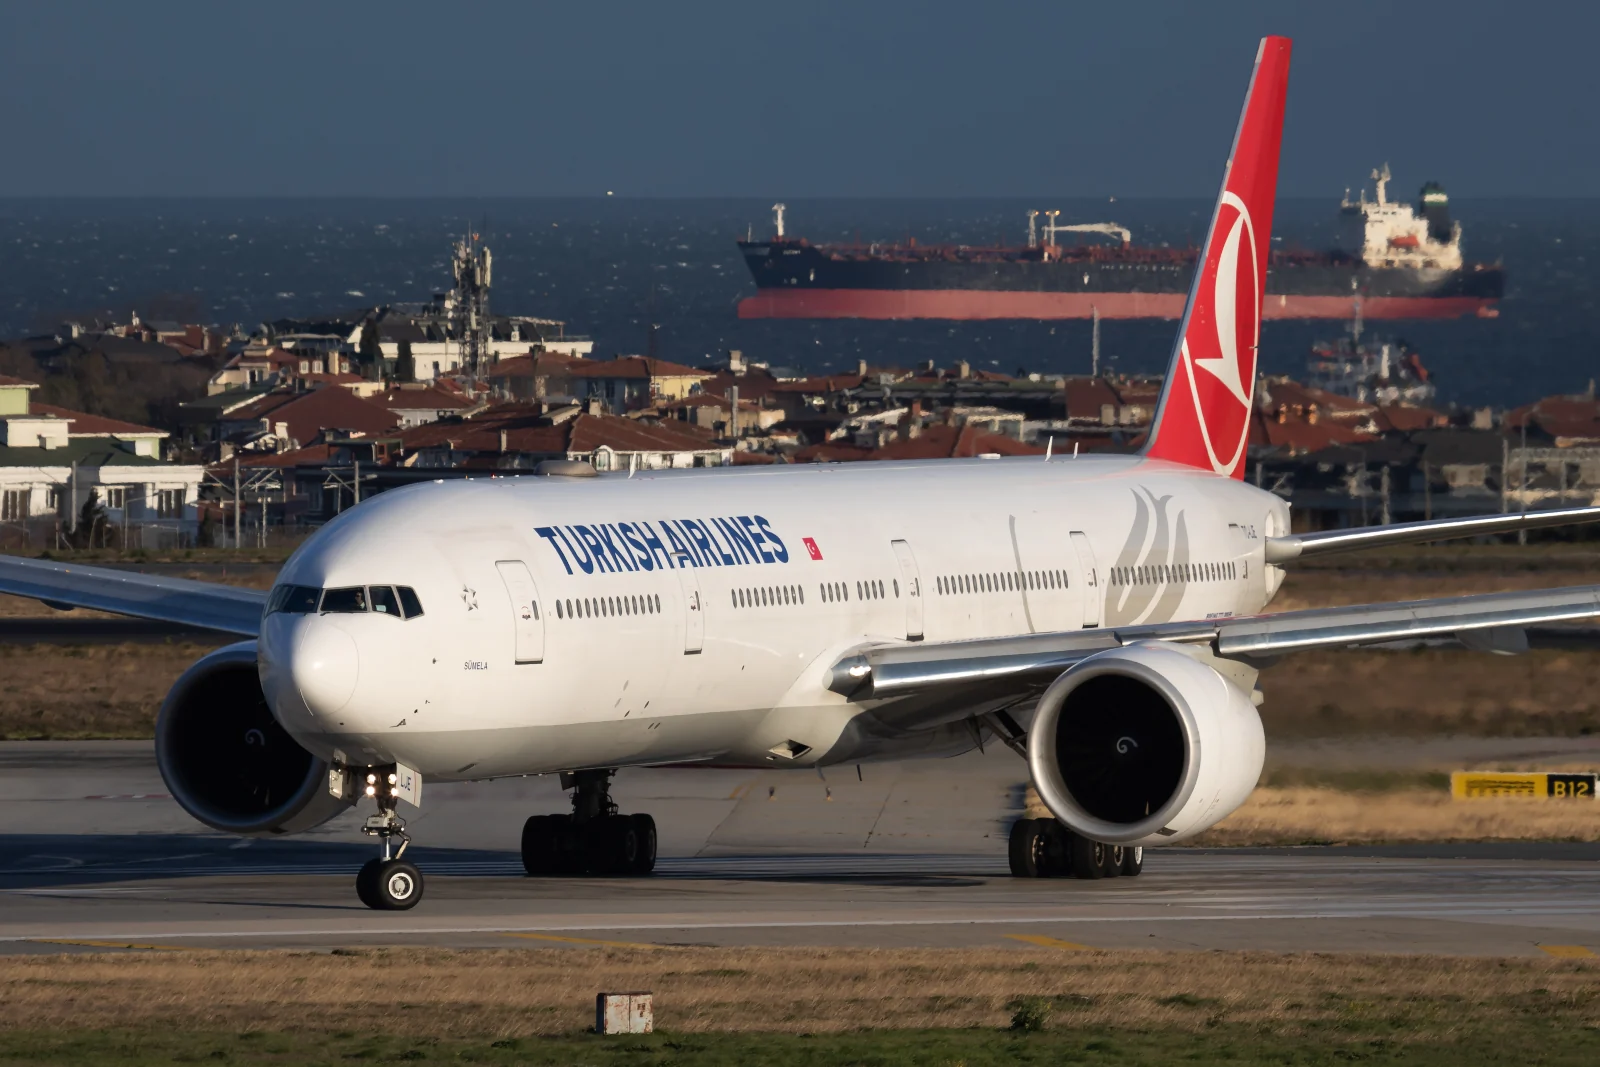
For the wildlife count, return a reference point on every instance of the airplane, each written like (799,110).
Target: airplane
(1101,615)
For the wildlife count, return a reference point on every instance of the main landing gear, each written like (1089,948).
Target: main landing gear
(594,839)
(387,883)
(1043,848)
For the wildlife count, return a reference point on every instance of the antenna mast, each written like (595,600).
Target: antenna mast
(469,306)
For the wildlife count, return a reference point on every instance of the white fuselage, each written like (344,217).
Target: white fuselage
(694,616)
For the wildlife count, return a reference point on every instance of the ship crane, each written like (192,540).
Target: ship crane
(1110,229)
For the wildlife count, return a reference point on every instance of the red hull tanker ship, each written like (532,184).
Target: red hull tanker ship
(1394,262)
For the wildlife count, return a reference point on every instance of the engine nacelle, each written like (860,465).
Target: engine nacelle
(227,761)
(1144,745)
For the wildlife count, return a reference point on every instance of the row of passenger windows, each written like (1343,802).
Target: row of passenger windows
(1002,582)
(606,607)
(1174,572)
(399,601)
(769,596)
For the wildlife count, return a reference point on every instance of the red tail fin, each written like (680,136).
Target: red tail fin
(1204,416)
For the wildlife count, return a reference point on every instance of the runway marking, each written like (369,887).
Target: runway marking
(1052,942)
(103,944)
(1567,952)
(590,941)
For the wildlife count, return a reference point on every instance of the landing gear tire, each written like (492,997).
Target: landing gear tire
(645,860)
(1133,860)
(389,885)
(1026,848)
(1115,857)
(594,839)
(612,845)
(541,844)
(1088,857)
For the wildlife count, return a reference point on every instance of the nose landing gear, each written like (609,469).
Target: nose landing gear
(594,839)
(388,882)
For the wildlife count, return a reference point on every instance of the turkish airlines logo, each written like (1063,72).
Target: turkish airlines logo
(1225,348)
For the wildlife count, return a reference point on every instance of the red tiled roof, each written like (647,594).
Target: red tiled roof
(1404,418)
(827,383)
(6,379)
(293,458)
(1299,435)
(543,363)
(99,425)
(633,367)
(1559,416)
(308,414)
(527,431)
(430,398)
(940,441)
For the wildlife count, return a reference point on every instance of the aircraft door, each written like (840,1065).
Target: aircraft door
(911,588)
(694,609)
(1092,591)
(525,612)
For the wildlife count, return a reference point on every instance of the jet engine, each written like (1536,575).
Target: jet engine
(1144,745)
(228,762)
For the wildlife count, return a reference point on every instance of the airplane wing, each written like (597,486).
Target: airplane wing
(205,605)
(1490,622)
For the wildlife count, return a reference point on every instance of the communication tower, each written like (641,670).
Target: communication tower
(469,306)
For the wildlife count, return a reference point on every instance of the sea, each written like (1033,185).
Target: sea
(612,268)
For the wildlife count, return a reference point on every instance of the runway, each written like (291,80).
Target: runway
(94,855)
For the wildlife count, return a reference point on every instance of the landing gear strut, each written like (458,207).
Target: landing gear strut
(387,883)
(594,839)
(1043,848)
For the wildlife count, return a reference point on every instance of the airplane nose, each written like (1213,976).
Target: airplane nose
(325,667)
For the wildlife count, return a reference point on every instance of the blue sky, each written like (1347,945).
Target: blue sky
(820,98)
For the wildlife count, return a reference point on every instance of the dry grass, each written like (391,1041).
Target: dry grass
(1294,815)
(1431,692)
(428,992)
(83,691)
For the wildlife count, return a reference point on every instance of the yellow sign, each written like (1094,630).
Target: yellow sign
(1466,785)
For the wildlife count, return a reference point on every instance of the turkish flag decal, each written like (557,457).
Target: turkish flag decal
(811,547)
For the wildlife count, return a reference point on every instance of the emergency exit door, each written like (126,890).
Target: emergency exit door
(525,614)
(1092,593)
(694,609)
(911,588)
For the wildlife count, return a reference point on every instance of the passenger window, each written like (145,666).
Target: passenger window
(383,599)
(348,600)
(293,599)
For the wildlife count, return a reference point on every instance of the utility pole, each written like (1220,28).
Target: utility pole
(1094,344)
(733,412)
(72,499)
(355,480)
(238,518)
(1522,535)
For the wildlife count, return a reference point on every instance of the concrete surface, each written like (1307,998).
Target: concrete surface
(93,854)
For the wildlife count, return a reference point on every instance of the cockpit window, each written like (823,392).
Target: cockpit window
(346,600)
(294,599)
(401,602)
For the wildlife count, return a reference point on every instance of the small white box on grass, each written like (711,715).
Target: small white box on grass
(624,1013)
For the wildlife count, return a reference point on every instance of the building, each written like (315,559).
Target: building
(516,437)
(632,383)
(54,461)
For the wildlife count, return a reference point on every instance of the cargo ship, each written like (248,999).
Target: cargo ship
(1391,261)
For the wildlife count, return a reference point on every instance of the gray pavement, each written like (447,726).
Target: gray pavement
(93,854)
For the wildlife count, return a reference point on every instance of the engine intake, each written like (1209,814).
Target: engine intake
(228,762)
(1144,745)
